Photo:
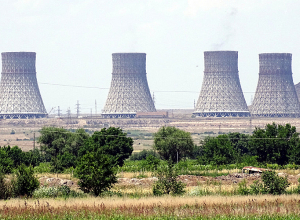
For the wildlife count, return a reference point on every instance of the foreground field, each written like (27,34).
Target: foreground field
(206,207)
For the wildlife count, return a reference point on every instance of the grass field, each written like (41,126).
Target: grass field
(236,207)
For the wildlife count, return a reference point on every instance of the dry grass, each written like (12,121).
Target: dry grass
(165,201)
(153,206)
(133,174)
(57,175)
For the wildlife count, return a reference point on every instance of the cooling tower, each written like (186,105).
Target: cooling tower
(129,92)
(221,93)
(19,92)
(297,87)
(275,94)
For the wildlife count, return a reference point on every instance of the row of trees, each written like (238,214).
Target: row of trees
(275,144)
(96,158)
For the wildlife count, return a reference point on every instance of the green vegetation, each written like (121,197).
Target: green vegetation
(275,144)
(271,184)
(54,192)
(167,181)
(173,143)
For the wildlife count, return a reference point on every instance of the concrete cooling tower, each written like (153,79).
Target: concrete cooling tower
(221,93)
(19,92)
(297,87)
(275,94)
(129,92)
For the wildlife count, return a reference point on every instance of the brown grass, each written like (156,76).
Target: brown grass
(162,206)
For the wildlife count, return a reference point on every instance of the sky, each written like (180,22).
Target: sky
(74,41)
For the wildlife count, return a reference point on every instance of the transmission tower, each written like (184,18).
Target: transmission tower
(58,111)
(78,108)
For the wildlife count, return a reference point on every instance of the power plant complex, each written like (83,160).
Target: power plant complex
(19,92)
(129,96)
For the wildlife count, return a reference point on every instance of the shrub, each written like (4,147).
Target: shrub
(273,184)
(167,181)
(5,188)
(43,168)
(26,182)
(257,188)
(142,155)
(96,172)
(53,192)
(298,187)
(242,188)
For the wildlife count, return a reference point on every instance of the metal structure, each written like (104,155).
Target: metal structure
(297,87)
(129,92)
(221,93)
(19,92)
(275,94)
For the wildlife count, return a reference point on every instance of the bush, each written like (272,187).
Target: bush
(167,181)
(142,155)
(151,162)
(242,188)
(273,184)
(53,192)
(43,168)
(96,172)
(257,188)
(5,188)
(26,182)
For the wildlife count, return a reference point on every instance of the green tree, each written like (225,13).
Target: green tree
(112,141)
(61,147)
(217,150)
(171,142)
(5,161)
(16,154)
(167,182)
(26,182)
(274,184)
(96,172)
(55,141)
(275,144)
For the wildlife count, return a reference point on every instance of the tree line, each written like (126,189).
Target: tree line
(96,158)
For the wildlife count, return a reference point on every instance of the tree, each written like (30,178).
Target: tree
(112,141)
(273,184)
(5,161)
(224,149)
(217,150)
(171,142)
(55,141)
(26,182)
(167,182)
(61,147)
(96,172)
(275,144)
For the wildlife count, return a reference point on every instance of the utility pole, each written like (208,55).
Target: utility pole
(77,108)
(95,107)
(58,111)
(153,99)
(250,124)
(33,140)
(69,115)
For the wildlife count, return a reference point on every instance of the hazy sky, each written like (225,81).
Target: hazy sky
(74,40)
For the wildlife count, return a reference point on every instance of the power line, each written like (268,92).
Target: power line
(176,138)
(159,91)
